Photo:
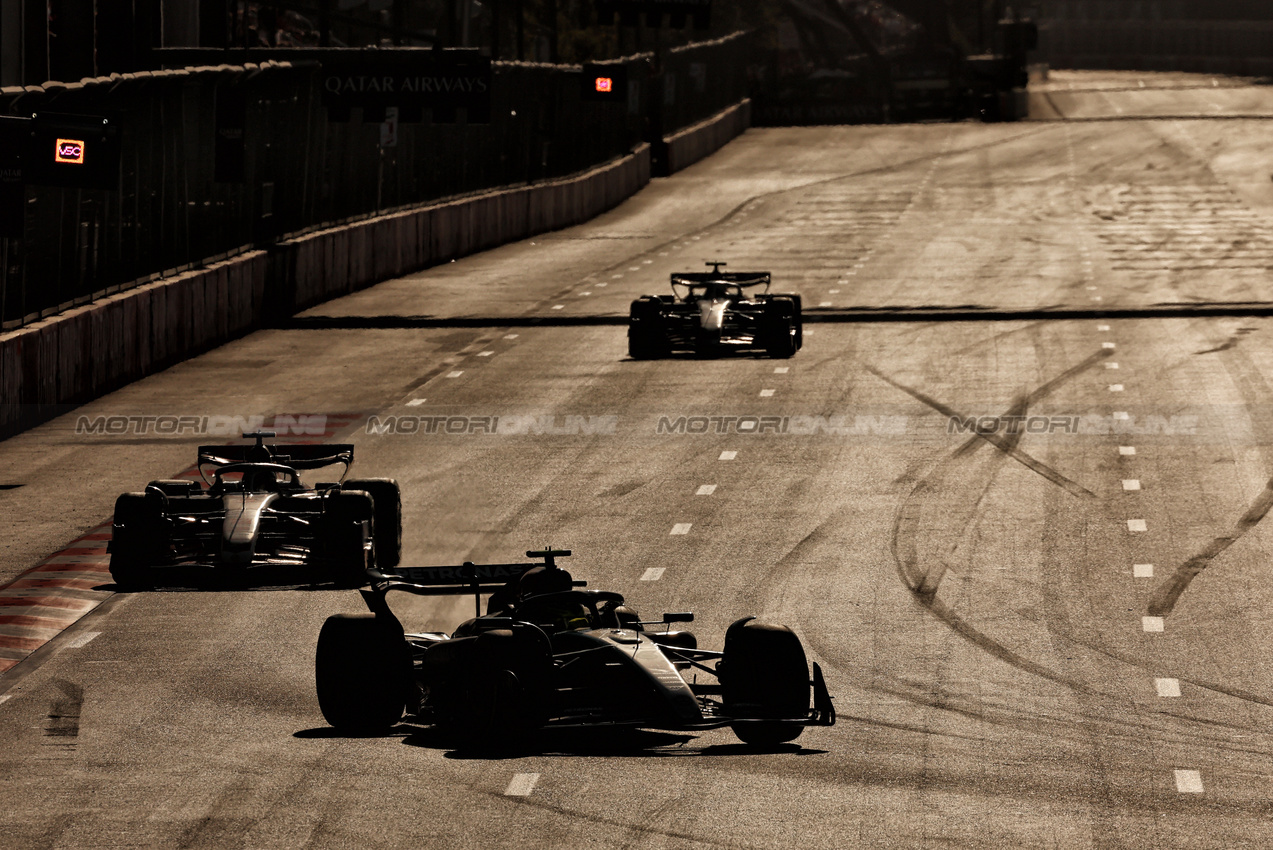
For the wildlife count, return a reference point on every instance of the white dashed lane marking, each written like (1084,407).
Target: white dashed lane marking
(1188,782)
(1107,345)
(1131,484)
(559,306)
(1151,624)
(1122,415)
(522,785)
(1116,388)
(766,393)
(705,490)
(1111,365)
(5,698)
(485,353)
(1136,525)
(1127,450)
(1142,570)
(682,528)
(416,402)
(81,640)
(728,455)
(1167,687)
(1102,327)
(510,336)
(781,370)
(653,574)
(824,303)
(454,374)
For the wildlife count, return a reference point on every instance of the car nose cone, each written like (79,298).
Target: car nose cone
(711,313)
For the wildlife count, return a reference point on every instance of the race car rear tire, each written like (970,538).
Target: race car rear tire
(139,539)
(362,673)
(647,339)
(781,328)
(386,500)
(764,679)
(344,513)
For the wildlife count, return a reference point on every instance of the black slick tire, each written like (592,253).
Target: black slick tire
(362,673)
(764,677)
(139,539)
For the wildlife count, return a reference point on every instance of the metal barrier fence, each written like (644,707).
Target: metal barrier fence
(302,171)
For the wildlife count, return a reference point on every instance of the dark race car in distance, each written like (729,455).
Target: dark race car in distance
(713,313)
(549,654)
(256,517)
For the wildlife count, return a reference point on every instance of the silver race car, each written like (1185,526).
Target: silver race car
(255,518)
(548,653)
(713,313)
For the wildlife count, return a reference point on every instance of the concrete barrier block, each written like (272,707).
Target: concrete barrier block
(177,326)
(337,282)
(128,367)
(38,347)
(10,383)
(99,349)
(74,356)
(241,294)
(157,331)
(144,297)
(117,342)
(442,218)
(258,303)
(359,241)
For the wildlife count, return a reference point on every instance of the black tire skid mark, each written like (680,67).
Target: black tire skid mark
(923,584)
(1008,443)
(1166,595)
(1255,390)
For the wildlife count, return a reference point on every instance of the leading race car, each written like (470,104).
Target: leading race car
(550,654)
(715,312)
(256,515)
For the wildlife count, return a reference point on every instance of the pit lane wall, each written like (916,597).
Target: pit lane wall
(80,354)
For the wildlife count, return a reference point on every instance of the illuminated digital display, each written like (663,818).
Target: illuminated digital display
(69,150)
(605,84)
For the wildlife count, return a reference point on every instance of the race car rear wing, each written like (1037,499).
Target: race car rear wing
(467,578)
(299,456)
(735,278)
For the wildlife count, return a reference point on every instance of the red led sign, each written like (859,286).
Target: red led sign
(69,150)
(605,84)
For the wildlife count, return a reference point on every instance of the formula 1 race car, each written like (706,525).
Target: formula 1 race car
(711,313)
(548,654)
(256,513)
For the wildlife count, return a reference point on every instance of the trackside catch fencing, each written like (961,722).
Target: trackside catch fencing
(301,171)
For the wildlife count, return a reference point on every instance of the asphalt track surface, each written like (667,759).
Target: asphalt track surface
(1049,632)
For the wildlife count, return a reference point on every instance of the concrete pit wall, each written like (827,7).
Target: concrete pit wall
(48,367)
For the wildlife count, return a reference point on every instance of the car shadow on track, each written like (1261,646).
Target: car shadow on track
(565,743)
(224,586)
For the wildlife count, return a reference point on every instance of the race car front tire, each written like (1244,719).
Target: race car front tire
(362,673)
(764,679)
(139,539)
(344,515)
(386,500)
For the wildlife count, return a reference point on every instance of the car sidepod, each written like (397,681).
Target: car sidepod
(620,675)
